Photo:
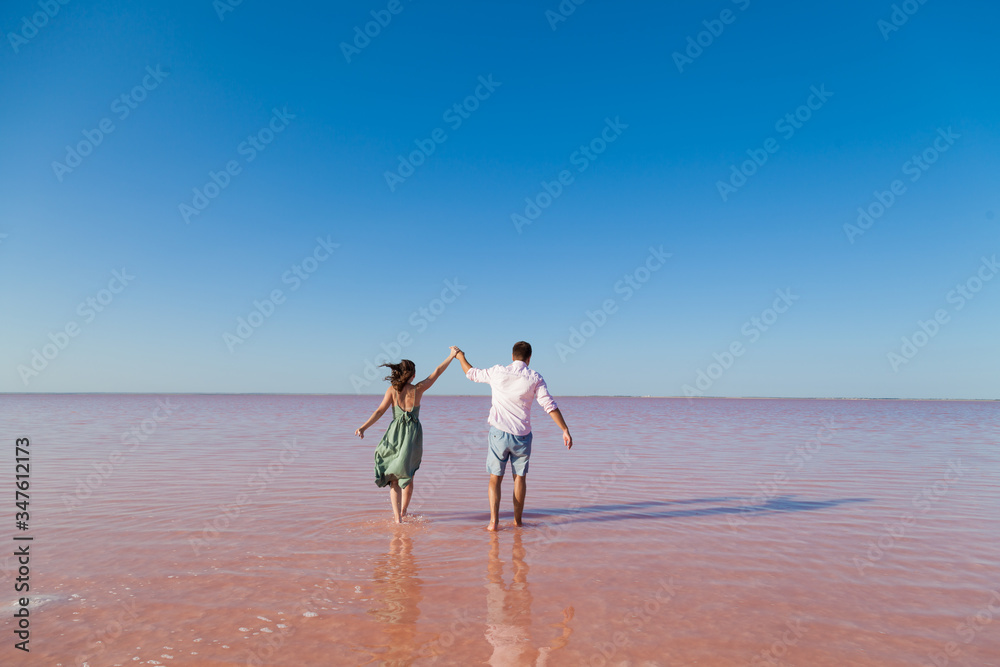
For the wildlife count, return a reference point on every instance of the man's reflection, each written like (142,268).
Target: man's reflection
(397,594)
(508,611)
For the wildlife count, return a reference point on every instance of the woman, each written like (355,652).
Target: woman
(398,455)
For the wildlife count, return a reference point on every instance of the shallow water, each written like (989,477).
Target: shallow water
(248,530)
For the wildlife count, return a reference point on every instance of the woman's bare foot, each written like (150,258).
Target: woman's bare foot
(493,527)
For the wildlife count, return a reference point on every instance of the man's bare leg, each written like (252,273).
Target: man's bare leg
(394,499)
(494,502)
(520,489)
(407,494)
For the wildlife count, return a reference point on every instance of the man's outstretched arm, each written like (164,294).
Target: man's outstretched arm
(561,423)
(465,362)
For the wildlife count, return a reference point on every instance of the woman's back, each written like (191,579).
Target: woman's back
(406,398)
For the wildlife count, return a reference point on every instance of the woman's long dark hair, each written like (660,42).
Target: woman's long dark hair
(400,373)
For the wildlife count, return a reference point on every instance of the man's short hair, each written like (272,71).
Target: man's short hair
(522,350)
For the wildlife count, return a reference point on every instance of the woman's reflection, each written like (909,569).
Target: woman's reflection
(397,594)
(508,611)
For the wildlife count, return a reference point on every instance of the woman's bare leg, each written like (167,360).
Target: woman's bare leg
(407,494)
(394,499)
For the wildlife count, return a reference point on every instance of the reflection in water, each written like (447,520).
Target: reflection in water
(397,594)
(508,612)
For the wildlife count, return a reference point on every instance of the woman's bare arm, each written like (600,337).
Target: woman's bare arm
(426,383)
(379,411)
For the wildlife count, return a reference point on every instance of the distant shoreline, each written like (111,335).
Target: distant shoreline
(692,398)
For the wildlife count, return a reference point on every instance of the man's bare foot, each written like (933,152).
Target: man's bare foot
(518,523)
(493,527)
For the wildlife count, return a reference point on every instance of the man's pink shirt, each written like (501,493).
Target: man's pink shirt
(514,387)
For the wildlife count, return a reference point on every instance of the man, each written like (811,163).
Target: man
(514,387)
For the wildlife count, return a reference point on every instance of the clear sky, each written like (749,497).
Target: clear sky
(476,173)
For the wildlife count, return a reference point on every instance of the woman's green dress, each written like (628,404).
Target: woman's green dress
(398,455)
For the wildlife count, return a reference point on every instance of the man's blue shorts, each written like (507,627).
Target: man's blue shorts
(505,446)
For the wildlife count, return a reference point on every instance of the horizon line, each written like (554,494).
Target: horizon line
(261,393)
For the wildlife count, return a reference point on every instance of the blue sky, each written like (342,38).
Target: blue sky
(331,121)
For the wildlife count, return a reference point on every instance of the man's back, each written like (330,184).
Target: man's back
(514,387)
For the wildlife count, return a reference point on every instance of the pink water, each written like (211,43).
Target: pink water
(676,532)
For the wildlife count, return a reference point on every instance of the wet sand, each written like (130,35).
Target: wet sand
(248,530)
